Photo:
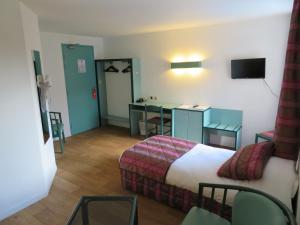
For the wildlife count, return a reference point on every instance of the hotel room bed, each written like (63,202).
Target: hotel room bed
(178,184)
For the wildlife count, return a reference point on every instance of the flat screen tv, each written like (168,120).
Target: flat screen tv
(248,68)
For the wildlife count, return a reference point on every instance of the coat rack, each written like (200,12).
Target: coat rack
(111,68)
(127,69)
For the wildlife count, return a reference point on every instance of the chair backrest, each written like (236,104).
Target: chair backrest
(55,119)
(154,109)
(252,208)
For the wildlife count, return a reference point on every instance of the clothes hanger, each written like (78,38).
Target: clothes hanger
(127,69)
(111,68)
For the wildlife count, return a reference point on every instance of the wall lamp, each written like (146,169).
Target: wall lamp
(186,65)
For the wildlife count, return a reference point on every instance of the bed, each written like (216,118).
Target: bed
(169,169)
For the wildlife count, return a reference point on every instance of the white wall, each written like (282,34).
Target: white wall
(24,166)
(264,37)
(33,42)
(52,54)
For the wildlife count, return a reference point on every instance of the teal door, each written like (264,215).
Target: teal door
(80,77)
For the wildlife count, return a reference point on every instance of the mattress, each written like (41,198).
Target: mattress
(202,163)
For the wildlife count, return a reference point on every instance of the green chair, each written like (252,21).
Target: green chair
(250,207)
(159,120)
(58,128)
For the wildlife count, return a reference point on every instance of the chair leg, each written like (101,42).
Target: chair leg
(63,135)
(61,143)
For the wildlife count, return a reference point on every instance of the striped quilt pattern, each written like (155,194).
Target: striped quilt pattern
(152,157)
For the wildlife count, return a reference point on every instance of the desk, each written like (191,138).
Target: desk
(136,111)
(193,123)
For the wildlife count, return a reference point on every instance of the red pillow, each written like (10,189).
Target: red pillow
(247,163)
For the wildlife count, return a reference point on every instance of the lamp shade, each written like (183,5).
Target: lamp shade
(185,65)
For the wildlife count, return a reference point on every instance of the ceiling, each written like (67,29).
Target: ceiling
(123,17)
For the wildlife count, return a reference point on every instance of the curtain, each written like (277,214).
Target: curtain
(287,128)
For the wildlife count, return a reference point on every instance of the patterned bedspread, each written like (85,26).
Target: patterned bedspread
(152,157)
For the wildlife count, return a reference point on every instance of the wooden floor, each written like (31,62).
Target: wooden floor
(89,166)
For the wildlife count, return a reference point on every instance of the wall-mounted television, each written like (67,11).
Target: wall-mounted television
(248,68)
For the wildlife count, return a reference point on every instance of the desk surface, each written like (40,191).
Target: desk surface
(171,105)
(156,103)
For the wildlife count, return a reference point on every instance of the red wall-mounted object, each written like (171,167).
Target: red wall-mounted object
(94,93)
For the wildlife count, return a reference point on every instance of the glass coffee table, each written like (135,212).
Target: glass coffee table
(105,210)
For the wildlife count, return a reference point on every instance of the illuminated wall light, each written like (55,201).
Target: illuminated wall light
(186,65)
(194,57)
(193,72)
(190,65)
(179,72)
(178,59)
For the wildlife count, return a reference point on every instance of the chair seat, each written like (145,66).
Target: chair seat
(199,216)
(156,120)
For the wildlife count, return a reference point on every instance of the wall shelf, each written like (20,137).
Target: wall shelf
(224,127)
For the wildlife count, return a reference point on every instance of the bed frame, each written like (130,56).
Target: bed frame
(173,196)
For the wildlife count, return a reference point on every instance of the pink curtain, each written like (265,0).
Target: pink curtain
(287,129)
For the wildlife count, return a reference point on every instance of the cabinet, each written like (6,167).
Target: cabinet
(198,124)
(188,124)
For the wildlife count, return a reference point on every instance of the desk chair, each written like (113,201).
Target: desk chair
(250,207)
(58,128)
(156,121)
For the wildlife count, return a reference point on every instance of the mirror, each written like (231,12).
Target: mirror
(42,98)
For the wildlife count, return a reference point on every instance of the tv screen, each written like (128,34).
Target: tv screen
(248,68)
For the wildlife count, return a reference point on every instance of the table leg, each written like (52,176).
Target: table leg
(85,215)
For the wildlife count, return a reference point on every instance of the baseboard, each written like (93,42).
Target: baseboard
(118,121)
(16,208)
(51,178)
